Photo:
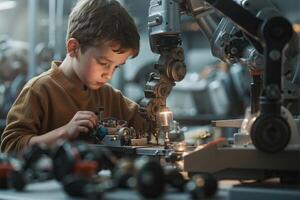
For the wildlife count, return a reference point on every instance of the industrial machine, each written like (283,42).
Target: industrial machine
(251,32)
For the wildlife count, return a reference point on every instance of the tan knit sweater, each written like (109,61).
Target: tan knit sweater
(50,101)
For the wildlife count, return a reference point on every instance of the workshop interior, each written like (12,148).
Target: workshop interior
(218,81)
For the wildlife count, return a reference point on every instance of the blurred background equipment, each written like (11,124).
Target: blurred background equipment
(32,35)
(33,165)
(13,73)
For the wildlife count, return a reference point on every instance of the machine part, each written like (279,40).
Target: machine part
(232,123)
(99,112)
(166,117)
(80,159)
(255,92)
(242,163)
(17,180)
(228,42)
(100,132)
(202,186)
(230,45)
(114,132)
(236,41)
(123,172)
(77,186)
(174,178)
(176,132)
(173,157)
(125,136)
(121,138)
(139,142)
(126,170)
(247,122)
(163,18)
(28,169)
(143,174)
(175,68)
(204,15)
(257,37)
(259,34)
(241,139)
(164,29)
(270,134)
(113,122)
(5,169)
(263,191)
(63,160)
(113,141)
(150,178)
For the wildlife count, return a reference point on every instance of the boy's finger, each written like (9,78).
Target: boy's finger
(83,129)
(90,113)
(86,112)
(86,123)
(90,117)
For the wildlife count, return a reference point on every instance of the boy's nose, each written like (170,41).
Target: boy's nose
(108,75)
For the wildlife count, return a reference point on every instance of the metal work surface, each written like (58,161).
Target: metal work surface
(150,150)
(52,190)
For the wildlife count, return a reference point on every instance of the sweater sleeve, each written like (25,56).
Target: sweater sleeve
(23,121)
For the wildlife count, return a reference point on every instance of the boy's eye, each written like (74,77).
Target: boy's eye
(103,64)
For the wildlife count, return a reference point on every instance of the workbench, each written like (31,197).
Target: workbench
(52,190)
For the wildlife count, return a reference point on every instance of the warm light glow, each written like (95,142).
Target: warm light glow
(6,5)
(181,146)
(165,112)
(296,28)
(166,117)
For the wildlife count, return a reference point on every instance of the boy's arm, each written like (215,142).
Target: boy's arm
(82,122)
(23,121)
(26,118)
(48,138)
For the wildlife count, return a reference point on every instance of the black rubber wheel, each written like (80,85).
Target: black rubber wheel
(270,134)
(74,186)
(63,161)
(150,180)
(201,186)
(17,180)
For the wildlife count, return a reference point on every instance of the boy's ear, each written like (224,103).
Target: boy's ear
(73,47)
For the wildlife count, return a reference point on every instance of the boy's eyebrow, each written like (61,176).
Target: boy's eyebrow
(105,58)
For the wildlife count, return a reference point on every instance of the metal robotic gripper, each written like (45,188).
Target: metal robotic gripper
(170,68)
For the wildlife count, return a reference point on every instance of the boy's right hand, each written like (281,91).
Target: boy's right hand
(82,122)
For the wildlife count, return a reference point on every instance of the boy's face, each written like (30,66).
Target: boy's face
(96,65)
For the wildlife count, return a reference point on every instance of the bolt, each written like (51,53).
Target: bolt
(273,92)
(274,55)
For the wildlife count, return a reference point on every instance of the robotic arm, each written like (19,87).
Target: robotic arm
(164,25)
(251,32)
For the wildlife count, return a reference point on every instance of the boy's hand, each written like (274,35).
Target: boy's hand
(82,122)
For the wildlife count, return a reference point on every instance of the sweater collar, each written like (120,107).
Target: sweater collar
(65,82)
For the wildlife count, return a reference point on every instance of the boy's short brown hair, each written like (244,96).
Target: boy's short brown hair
(93,22)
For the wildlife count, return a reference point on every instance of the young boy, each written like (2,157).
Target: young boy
(60,103)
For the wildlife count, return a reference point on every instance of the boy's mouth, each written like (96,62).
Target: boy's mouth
(100,83)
